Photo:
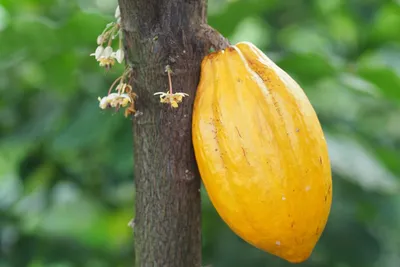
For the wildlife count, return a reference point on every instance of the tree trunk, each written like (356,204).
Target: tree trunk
(168,214)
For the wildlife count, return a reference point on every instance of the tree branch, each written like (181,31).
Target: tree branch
(159,33)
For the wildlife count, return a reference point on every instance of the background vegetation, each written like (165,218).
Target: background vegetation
(66,187)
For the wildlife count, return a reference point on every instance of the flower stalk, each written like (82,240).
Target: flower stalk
(170,97)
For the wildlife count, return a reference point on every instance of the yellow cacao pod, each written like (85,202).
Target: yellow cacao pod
(261,152)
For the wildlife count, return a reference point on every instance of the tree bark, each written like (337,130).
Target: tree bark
(157,33)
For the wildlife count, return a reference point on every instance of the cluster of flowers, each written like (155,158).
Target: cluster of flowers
(106,56)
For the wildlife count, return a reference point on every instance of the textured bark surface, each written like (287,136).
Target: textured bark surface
(168,215)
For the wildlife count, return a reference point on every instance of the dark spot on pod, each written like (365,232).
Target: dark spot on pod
(292,225)
(237,130)
(245,156)
(299,241)
(320,160)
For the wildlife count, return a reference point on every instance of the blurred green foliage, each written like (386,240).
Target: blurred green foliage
(66,189)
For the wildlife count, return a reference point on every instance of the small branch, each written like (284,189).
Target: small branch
(212,38)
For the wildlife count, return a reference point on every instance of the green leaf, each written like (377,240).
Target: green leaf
(386,23)
(90,127)
(359,165)
(304,39)
(307,68)
(385,79)
(252,30)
